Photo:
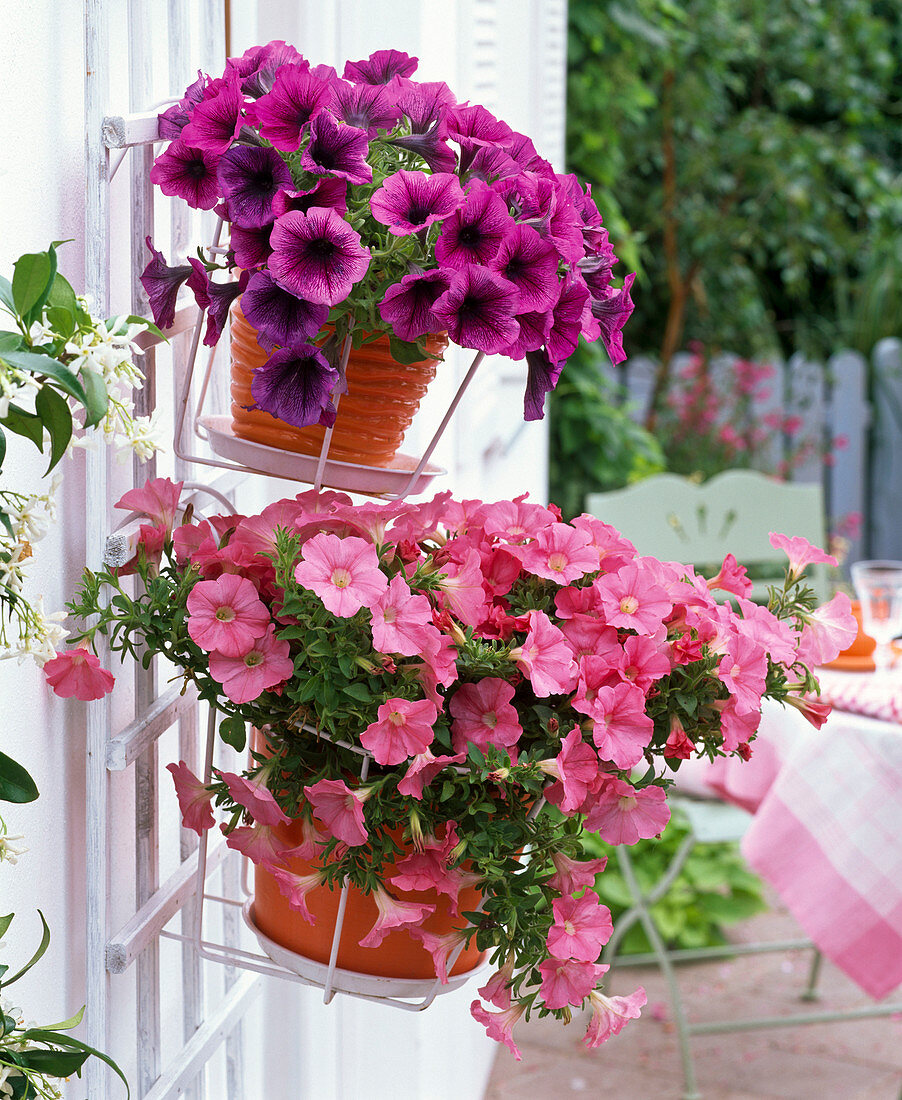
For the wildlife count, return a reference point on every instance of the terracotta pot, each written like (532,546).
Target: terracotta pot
(382,399)
(398,956)
(864,645)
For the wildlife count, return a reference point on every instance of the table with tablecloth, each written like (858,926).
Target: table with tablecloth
(827,825)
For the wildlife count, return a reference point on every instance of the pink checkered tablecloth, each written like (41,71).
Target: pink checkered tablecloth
(827,825)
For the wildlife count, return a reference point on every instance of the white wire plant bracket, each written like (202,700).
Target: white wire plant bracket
(397,993)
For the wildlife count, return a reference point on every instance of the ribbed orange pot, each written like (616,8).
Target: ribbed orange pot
(398,956)
(864,645)
(382,399)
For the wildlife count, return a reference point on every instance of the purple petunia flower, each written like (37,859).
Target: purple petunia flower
(282,115)
(187,173)
(569,315)
(216,119)
(531,264)
(317,255)
(407,305)
(409,201)
(380,67)
(366,106)
(612,313)
(337,150)
(596,266)
(425,104)
(544,205)
(478,310)
(257,66)
(534,329)
(542,376)
(490,164)
(281,318)
(430,148)
(327,193)
(295,385)
(220,297)
(162,282)
(251,247)
(522,150)
(474,232)
(249,178)
(472,127)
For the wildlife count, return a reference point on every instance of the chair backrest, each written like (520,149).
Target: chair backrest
(676,519)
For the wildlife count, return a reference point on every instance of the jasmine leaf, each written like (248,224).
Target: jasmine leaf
(16,785)
(54,412)
(32,277)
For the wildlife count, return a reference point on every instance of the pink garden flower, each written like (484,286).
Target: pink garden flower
(830,629)
(611,1014)
(545,657)
(582,926)
(484,715)
(399,618)
(497,990)
(404,728)
(76,674)
(622,814)
(439,947)
(393,914)
(340,809)
(732,578)
(461,589)
(630,600)
(259,843)
(296,888)
(566,981)
(559,553)
(575,767)
(344,573)
(499,1025)
(814,710)
(423,769)
(227,615)
(158,499)
(571,875)
(194,798)
(743,668)
(246,677)
(622,730)
(800,553)
(254,796)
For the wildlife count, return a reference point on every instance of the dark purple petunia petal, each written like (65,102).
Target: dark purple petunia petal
(490,164)
(187,173)
(472,127)
(612,313)
(162,282)
(430,148)
(294,385)
(328,193)
(596,266)
(534,329)
(283,114)
(543,204)
(522,150)
(251,247)
(410,201)
(217,119)
(380,67)
(249,178)
(531,264)
(317,255)
(257,66)
(282,319)
(366,106)
(474,232)
(172,121)
(541,378)
(337,150)
(407,305)
(478,310)
(425,104)
(569,315)
(221,296)
(199,282)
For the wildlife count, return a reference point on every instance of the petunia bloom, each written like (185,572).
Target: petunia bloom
(344,573)
(621,814)
(317,256)
(338,150)
(188,173)
(566,981)
(226,614)
(76,674)
(582,926)
(296,888)
(499,1025)
(407,305)
(474,232)
(403,728)
(484,715)
(478,310)
(245,677)
(410,201)
(250,177)
(340,809)
(282,115)
(800,553)
(611,1014)
(393,914)
(194,798)
(255,797)
(295,384)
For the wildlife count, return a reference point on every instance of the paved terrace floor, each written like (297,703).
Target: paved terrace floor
(852,1060)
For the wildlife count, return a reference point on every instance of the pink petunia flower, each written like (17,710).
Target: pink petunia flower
(246,677)
(829,630)
(545,657)
(296,888)
(462,590)
(732,578)
(614,551)
(622,814)
(76,674)
(255,797)
(575,767)
(571,875)
(258,842)
(340,809)
(559,553)
(611,1014)
(814,710)
(194,798)
(484,715)
(404,728)
(440,947)
(643,661)
(344,573)
(393,914)
(158,498)
(582,926)
(622,730)
(800,553)
(399,618)
(423,769)
(566,981)
(499,1025)
(226,614)
(497,989)
(743,668)
(630,600)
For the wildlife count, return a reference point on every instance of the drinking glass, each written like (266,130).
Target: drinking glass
(878,585)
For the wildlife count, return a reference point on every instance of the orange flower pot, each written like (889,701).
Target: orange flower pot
(398,956)
(864,645)
(382,399)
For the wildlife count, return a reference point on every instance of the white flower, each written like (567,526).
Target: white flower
(8,852)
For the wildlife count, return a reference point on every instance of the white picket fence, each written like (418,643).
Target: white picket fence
(853,397)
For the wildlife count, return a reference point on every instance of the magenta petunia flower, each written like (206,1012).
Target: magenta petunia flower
(430,147)
(317,256)
(336,149)
(340,809)
(188,173)
(219,301)
(531,264)
(829,630)
(194,798)
(545,657)
(582,926)
(477,310)
(575,768)
(473,234)
(490,164)
(226,614)
(534,329)
(280,317)
(162,283)
(621,814)
(157,498)
(566,982)
(409,201)
(622,730)
(610,1015)
(743,669)
(381,67)
(425,104)
(251,247)
(283,114)
(569,311)
(249,177)
(344,573)
(472,126)
(295,385)
(612,312)
(484,715)
(403,728)
(216,120)
(398,619)
(246,677)
(407,305)
(327,192)
(369,107)
(541,377)
(258,65)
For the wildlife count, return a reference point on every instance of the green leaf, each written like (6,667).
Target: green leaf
(404,352)
(10,341)
(53,1063)
(98,401)
(6,293)
(233,731)
(16,785)
(36,363)
(2,448)
(54,411)
(26,424)
(62,321)
(31,281)
(61,295)
(66,1025)
(42,947)
(40,1035)
(134,319)
(5,922)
